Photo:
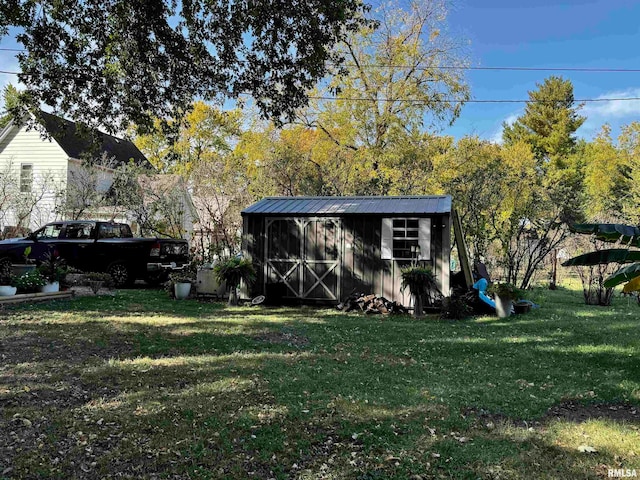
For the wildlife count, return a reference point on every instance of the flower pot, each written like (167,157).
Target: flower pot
(50,287)
(7,291)
(521,307)
(181,290)
(19,270)
(503,306)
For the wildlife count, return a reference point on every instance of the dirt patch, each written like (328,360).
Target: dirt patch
(579,413)
(38,348)
(283,338)
(570,411)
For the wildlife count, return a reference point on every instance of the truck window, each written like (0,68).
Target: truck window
(114,230)
(49,231)
(80,230)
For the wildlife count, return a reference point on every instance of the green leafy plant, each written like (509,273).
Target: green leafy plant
(457,307)
(627,235)
(233,271)
(505,290)
(421,284)
(181,277)
(25,255)
(53,267)
(8,279)
(30,281)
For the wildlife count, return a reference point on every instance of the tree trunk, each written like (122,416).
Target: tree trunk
(554,270)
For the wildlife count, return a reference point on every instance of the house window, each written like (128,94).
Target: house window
(406,239)
(26,177)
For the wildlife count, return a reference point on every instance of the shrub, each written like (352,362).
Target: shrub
(420,282)
(53,267)
(30,281)
(458,307)
(233,271)
(8,279)
(505,290)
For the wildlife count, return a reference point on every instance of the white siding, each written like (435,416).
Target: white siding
(49,161)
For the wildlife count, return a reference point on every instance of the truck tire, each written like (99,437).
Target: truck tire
(120,274)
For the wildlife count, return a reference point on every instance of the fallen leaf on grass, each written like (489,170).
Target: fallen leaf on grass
(587,449)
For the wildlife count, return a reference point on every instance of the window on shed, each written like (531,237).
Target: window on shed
(406,238)
(26,177)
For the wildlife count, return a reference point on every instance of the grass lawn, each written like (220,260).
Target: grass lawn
(140,386)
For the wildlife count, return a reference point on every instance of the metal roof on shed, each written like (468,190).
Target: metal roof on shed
(326,206)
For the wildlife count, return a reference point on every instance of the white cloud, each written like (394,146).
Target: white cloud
(605,109)
(497,134)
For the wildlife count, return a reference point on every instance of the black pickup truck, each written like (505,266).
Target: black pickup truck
(93,246)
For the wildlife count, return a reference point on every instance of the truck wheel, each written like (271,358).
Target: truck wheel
(120,274)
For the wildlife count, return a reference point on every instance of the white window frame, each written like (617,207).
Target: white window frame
(23,179)
(423,238)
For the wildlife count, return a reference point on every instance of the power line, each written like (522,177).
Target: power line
(452,100)
(12,50)
(522,69)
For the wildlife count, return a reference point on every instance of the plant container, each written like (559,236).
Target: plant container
(503,306)
(182,290)
(21,269)
(7,291)
(50,287)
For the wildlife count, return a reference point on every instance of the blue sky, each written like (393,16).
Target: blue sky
(545,33)
(538,33)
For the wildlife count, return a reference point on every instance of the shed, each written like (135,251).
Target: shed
(322,249)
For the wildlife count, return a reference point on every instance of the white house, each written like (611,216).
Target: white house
(37,166)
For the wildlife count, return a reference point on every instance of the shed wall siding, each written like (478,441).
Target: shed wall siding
(362,268)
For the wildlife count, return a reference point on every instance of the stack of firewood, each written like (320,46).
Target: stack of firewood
(370,304)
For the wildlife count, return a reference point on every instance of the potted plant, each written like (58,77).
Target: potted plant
(420,282)
(53,269)
(7,285)
(181,282)
(233,271)
(30,282)
(27,266)
(96,280)
(504,295)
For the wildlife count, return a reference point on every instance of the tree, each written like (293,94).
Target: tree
(606,178)
(10,98)
(393,93)
(548,125)
(87,188)
(204,133)
(549,122)
(115,61)
(629,142)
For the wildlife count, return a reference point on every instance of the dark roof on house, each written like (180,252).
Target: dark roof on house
(78,143)
(326,206)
